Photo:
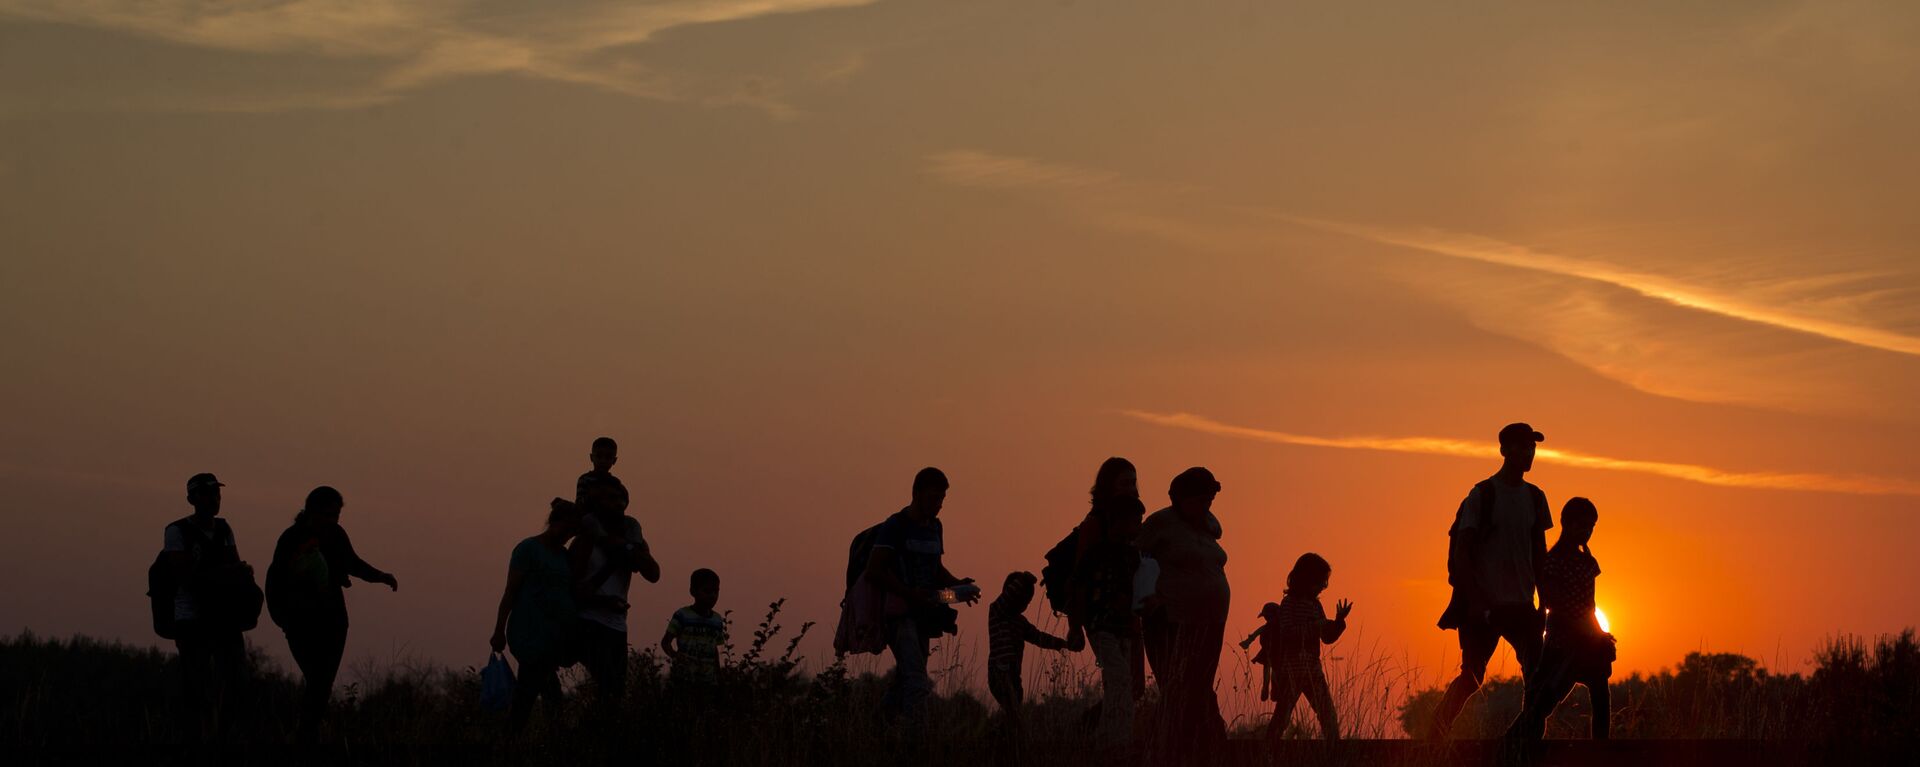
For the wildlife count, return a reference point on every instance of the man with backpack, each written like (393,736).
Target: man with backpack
(905,565)
(1498,544)
(214,601)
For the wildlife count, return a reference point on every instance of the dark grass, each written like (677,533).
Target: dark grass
(1861,703)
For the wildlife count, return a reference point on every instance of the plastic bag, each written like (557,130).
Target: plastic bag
(496,684)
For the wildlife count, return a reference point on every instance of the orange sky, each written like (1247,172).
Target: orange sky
(790,252)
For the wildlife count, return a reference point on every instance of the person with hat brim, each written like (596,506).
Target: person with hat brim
(204,554)
(1498,544)
(1186,631)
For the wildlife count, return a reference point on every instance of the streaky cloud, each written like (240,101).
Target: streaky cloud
(1706,475)
(429,42)
(1680,293)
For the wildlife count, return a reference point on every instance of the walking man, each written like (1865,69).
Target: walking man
(1499,543)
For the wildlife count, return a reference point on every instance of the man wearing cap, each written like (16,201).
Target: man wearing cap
(202,550)
(1499,542)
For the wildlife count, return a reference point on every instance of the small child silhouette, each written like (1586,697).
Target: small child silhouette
(1299,629)
(695,632)
(1008,634)
(1577,650)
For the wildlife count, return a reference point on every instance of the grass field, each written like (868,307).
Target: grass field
(1862,698)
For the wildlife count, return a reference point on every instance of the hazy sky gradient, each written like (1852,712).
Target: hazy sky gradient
(790,252)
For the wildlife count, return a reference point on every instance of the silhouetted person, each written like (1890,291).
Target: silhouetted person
(1300,628)
(605,574)
(1105,563)
(306,586)
(609,491)
(1498,543)
(206,560)
(1577,650)
(1185,633)
(1008,634)
(1268,635)
(696,632)
(537,612)
(906,563)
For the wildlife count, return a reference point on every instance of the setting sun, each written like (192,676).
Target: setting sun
(1601,616)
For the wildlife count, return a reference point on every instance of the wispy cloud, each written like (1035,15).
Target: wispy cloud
(1706,475)
(424,42)
(1704,298)
(988,170)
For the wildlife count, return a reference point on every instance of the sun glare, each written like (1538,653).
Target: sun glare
(1601,616)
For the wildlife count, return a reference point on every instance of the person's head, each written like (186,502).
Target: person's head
(203,494)
(704,586)
(1577,519)
(605,453)
(563,518)
(1310,575)
(1193,490)
(1517,445)
(1017,591)
(1270,612)
(1116,479)
(323,507)
(929,492)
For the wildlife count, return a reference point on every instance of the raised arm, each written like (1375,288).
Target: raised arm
(359,568)
(1330,631)
(1041,639)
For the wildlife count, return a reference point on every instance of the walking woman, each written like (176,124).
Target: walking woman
(537,611)
(1105,561)
(305,594)
(1184,633)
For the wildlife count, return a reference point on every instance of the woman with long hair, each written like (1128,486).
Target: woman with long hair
(305,596)
(1105,562)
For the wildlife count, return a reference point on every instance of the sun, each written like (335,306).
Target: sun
(1601,616)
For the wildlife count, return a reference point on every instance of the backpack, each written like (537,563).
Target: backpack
(1057,576)
(859,553)
(161,589)
(862,625)
(234,602)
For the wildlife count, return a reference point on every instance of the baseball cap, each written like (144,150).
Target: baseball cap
(202,480)
(1520,432)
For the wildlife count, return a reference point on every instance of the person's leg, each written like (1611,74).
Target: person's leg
(195,662)
(228,654)
(603,651)
(1114,653)
(317,652)
(1195,725)
(1320,697)
(1600,699)
(1286,692)
(1477,643)
(1000,687)
(1552,679)
(1524,632)
(536,681)
(911,685)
